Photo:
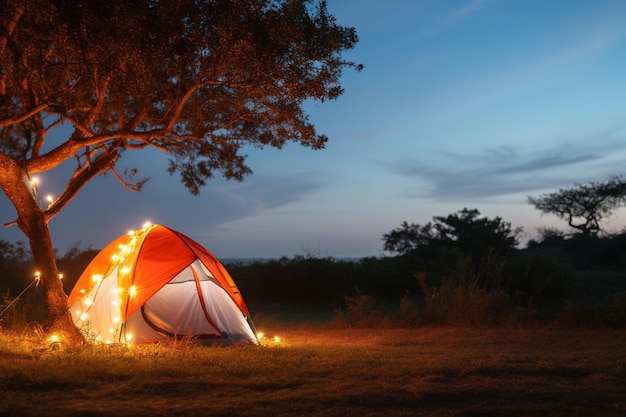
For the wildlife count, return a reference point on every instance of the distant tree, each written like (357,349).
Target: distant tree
(547,237)
(464,230)
(13,262)
(584,206)
(198,80)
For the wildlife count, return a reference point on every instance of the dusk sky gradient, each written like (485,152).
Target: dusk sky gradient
(473,104)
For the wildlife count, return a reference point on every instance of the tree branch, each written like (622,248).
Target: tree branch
(132,187)
(22,117)
(102,163)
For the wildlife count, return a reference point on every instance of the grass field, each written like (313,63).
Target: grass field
(316,371)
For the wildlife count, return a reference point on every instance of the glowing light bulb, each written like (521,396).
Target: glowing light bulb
(96,278)
(49,198)
(132,291)
(259,336)
(88,301)
(54,338)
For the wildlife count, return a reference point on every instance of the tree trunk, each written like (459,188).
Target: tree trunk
(33,223)
(59,320)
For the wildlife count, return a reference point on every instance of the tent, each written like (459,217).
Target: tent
(154,284)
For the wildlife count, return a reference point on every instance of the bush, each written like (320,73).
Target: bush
(409,314)
(362,311)
(538,278)
(465,303)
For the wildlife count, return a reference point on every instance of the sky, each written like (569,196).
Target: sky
(468,103)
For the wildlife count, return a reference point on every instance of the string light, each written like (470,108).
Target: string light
(268,341)
(119,258)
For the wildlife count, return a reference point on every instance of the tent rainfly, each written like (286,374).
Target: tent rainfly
(154,284)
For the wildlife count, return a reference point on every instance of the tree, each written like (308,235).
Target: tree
(584,206)
(195,79)
(465,230)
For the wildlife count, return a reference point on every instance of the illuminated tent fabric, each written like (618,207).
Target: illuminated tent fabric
(154,284)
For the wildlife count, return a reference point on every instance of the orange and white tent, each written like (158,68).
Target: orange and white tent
(154,284)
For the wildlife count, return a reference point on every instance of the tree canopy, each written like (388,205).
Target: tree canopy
(198,80)
(464,230)
(584,206)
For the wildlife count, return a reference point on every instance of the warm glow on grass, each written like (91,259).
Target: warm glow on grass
(393,372)
(269,341)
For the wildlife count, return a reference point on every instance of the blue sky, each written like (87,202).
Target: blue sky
(473,104)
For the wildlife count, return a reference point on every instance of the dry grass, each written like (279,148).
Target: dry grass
(325,372)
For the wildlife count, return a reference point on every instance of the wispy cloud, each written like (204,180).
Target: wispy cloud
(260,194)
(453,17)
(507,170)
